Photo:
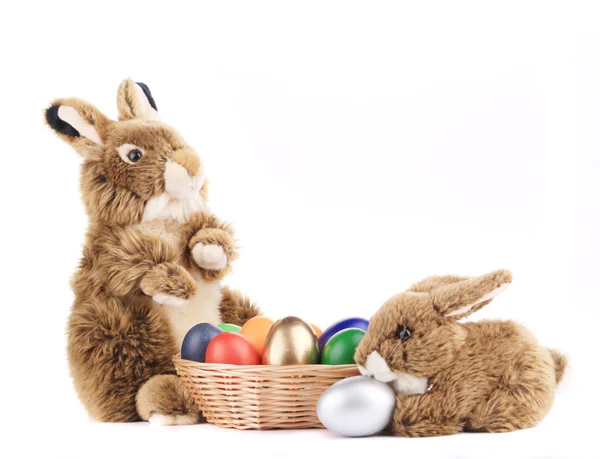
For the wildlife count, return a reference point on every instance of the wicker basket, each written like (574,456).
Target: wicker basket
(260,396)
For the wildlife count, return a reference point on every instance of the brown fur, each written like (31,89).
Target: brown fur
(168,278)
(488,376)
(120,344)
(237,308)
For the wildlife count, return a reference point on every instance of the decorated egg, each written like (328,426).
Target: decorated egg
(317,330)
(357,406)
(231,348)
(341,347)
(256,330)
(352,322)
(196,341)
(230,328)
(291,341)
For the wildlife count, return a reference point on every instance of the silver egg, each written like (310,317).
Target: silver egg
(357,407)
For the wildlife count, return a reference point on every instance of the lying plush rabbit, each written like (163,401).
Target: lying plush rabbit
(152,262)
(488,376)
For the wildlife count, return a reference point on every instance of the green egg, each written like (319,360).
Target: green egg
(230,328)
(340,348)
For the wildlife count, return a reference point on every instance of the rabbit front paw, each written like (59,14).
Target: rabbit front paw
(169,284)
(209,256)
(212,250)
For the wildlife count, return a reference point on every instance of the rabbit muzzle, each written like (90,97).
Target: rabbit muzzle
(404,383)
(179,183)
(376,367)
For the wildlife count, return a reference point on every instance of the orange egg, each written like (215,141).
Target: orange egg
(317,330)
(256,330)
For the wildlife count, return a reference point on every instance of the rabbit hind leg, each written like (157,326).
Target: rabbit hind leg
(164,400)
(116,348)
(523,397)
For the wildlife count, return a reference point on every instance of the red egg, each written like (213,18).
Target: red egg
(233,349)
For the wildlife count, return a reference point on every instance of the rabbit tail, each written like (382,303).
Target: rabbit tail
(560,364)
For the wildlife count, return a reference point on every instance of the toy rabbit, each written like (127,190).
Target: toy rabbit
(152,264)
(488,376)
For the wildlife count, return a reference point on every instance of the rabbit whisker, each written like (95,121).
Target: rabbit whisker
(394,350)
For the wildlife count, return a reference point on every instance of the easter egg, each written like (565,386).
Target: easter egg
(291,341)
(357,406)
(231,348)
(230,328)
(317,330)
(196,341)
(256,330)
(341,347)
(352,322)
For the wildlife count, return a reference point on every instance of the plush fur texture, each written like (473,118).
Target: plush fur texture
(488,376)
(141,284)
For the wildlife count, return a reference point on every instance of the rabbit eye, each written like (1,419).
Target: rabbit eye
(130,153)
(134,155)
(403,333)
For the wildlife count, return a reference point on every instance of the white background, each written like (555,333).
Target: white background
(357,147)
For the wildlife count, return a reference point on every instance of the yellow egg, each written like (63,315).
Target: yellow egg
(291,341)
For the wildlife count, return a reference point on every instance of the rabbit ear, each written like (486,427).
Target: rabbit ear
(134,100)
(78,123)
(430,283)
(462,298)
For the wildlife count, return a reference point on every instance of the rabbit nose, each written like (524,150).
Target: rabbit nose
(188,160)
(178,181)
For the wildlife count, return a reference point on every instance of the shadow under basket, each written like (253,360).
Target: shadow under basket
(260,396)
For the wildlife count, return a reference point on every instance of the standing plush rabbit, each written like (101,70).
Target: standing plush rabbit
(488,376)
(152,262)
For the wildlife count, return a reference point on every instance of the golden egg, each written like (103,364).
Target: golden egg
(291,341)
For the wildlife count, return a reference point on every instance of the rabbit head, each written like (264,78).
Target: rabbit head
(135,169)
(415,334)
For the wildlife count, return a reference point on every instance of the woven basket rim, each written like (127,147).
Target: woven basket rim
(270,368)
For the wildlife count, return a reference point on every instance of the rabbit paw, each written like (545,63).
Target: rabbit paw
(209,256)
(172,419)
(164,400)
(169,284)
(212,250)
(169,300)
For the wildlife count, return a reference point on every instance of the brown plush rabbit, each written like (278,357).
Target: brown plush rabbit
(488,376)
(152,262)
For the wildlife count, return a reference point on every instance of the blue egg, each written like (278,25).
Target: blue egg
(351,322)
(196,341)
